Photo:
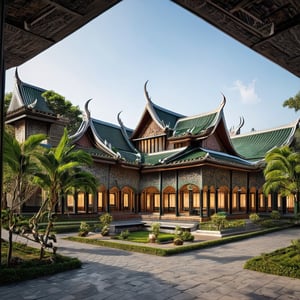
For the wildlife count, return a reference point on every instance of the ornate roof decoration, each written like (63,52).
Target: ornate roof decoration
(125,135)
(151,109)
(28,97)
(235,131)
(88,123)
(254,145)
(199,125)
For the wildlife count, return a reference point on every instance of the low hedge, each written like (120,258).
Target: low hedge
(31,270)
(282,262)
(176,249)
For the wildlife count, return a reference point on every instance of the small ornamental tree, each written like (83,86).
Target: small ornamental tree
(62,171)
(20,165)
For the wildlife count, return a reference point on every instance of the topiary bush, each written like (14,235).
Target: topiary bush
(84,229)
(105,221)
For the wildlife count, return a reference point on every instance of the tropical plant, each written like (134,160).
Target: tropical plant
(293,102)
(84,229)
(20,165)
(105,221)
(282,174)
(219,220)
(62,172)
(155,228)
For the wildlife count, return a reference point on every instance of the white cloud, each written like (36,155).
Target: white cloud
(247,93)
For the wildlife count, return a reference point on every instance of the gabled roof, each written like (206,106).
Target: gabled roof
(164,118)
(193,156)
(29,97)
(254,145)
(107,138)
(199,125)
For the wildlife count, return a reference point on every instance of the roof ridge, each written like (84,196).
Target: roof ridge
(217,110)
(290,125)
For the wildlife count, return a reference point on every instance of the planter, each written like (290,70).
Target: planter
(152,238)
(178,242)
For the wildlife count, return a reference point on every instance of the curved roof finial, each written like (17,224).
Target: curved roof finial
(241,124)
(224,101)
(17,75)
(86,108)
(146,92)
(119,119)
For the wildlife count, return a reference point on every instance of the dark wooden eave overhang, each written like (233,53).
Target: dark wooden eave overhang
(24,112)
(199,164)
(270,28)
(33,26)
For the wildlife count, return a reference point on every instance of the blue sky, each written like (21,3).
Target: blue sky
(188,63)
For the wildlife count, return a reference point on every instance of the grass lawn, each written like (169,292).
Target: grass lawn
(27,265)
(283,262)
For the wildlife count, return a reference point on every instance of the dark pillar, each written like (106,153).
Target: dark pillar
(62,204)
(190,202)
(2,91)
(230,194)
(86,202)
(75,203)
(176,198)
(107,201)
(161,208)
(208,202)
(256,201)
(274,201)
(201,204)
(248,196)
(216,199)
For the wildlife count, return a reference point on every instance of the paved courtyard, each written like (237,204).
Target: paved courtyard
(214,273)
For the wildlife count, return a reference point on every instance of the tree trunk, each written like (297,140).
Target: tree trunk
(47,232)
(10,245)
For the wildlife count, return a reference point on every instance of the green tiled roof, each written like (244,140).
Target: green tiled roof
(168,117)
(30,94)
(96,152)
(112,134)
(197,153)
(192,154)
(194,125)
(254,146)
(156,158)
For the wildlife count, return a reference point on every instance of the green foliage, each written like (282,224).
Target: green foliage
(283,262)
(275,215)
(282,173)
(60,106)
(254,217)
(62,171)
(27,264)
(7,99)
(84,229)
(155,228)
(183,234)
(105,221)
(219,221)
(172,251)
(124,235)
(293,102)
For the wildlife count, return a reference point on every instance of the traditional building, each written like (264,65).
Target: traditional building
(170,166)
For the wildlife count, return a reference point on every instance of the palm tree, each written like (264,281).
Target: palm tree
(20,164)
(282,174)
(62,172)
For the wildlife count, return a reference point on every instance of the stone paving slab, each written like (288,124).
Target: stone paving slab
(213,273)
